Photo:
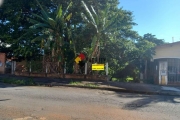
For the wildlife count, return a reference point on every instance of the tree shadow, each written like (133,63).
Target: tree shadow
(147,100)
(4,85)
(144,94)
(4,100)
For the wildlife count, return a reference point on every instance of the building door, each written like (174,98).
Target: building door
(163,73)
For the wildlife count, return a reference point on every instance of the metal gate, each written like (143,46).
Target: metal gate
(173,70)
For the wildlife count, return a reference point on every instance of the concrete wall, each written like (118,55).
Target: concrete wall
(72,76)
(171,50)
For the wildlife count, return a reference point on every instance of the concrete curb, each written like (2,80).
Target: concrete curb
(115,89)
(110,88)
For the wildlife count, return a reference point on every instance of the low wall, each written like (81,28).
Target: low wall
(68,76)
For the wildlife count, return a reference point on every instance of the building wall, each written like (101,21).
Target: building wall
(171,54)
(162,53)
(168,51)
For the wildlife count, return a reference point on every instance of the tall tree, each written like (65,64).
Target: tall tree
(153,39)
(13,16)
(49,30)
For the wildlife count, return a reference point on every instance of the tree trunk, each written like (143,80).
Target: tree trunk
(96,52)
(53,52)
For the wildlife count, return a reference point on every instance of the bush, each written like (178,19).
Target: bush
(128,74)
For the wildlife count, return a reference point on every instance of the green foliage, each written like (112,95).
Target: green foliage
(127,73)
(16,12)
(79,83)
(153,39)
(91,85)
(101,25)
(127,79)
(69,59)
(65,28)
(75,83)
(28,82)
(51,27)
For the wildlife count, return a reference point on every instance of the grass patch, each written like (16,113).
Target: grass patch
(91,85)
(75,83)
(114,79)
(27,82)
(129,79)
(79,83)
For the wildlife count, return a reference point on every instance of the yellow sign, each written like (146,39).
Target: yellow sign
(78,59)
(97,66)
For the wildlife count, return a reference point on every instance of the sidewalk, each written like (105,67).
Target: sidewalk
(106,85)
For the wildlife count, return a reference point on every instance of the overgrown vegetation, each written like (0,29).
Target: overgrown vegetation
(61,29)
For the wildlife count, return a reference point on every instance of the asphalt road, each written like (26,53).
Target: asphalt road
(65,103)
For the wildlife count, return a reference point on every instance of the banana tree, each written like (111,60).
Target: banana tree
(49,28)
(104,26)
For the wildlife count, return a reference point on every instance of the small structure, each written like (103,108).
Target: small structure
(165,66)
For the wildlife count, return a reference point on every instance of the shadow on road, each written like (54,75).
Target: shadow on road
(148,100)
(5,100)
(3,85)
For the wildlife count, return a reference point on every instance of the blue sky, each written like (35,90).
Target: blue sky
(158,17)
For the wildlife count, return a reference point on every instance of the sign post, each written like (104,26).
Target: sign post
(86,68)
(106,68)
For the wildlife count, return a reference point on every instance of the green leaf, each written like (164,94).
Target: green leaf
(52,22)
(59,12)
(33,21)
(66,11)
(42,10)
(39,38)
(68,17)
(39,25)
(45,20)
